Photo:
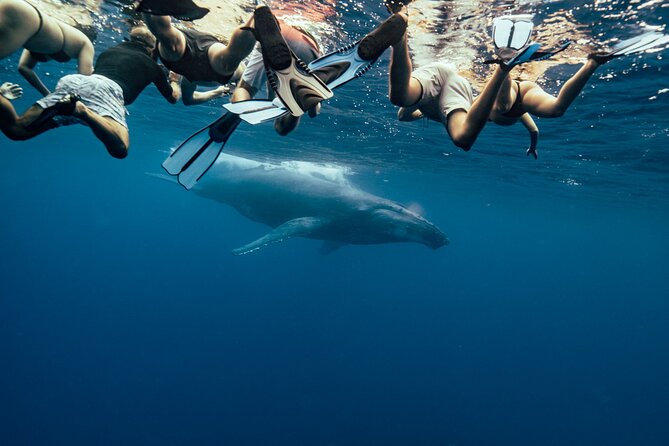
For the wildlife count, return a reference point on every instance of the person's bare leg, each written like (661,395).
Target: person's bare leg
(464,127)
(172,42)
(14,126)
(506,96)
(113,135)
(225,59)
(539,103)
(404,90)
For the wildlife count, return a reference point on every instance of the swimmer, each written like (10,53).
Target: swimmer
(43,38)
(199,57)
(254,79)
(439,93)
(121,74)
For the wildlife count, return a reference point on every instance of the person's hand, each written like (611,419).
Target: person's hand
(174,77)
(11,91)
(222,90)
(532,151)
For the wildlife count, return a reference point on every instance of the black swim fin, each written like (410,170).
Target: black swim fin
(193,158)
(179,9)
(64,107)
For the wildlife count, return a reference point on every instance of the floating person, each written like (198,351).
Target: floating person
(98,101)
(201,58)
(519,100)
(191,160)
(437,92)
(254,79)
(43,38)
(300,199)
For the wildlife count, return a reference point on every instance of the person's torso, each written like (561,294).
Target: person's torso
(194,65)
(129,65)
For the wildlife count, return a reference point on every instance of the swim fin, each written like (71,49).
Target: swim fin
(257,111)
(191,160)
(179,9)
(294,84)
(64,107)
(635,45)
(511,58)
(352,61)
(512,31)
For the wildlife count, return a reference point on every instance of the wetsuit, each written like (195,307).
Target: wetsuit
(194,64)
(130,66)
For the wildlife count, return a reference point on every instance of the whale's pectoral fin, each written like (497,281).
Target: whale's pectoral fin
(298,227)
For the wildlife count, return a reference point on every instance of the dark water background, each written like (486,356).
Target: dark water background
(124,319)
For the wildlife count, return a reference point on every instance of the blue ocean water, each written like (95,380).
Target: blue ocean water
(125,319)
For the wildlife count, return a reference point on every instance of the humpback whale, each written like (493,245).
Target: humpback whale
(303,199)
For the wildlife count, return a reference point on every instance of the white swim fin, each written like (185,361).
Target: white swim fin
(512,31)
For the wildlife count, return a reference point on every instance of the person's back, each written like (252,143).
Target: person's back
(129,65)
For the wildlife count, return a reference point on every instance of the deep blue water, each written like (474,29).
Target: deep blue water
(125,319)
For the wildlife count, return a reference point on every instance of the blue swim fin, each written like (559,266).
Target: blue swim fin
(511,58)
(191,160)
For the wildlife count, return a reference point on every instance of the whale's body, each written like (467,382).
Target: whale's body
(301,199)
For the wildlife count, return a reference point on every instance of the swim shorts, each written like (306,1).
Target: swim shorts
(304,47)
(444,91)
(100,94)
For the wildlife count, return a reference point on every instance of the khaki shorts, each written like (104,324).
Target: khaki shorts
(444,91)
(100,94)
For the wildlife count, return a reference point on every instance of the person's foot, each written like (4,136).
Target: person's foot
(64,107)
(385,35)
(395,6)
(600,57)
(179,9)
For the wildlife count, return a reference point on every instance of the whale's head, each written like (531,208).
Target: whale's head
(399,224)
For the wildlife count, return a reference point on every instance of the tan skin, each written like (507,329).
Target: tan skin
(225,60)
(19,25)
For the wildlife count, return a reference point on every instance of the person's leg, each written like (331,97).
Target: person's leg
(171,41)
(506,96)
(14,126)
(404,90)
(539,103)
(464,126)
(286,124)
(226,59)
(112,134)
(18,23)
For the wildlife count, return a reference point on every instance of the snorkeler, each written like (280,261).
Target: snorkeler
(518,99)
(254,78)
(199,57)
(439,93)
(192,158)
(121,74)
(44,38)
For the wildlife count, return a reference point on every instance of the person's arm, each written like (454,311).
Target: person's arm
(529,124)
(85,58)
(243,92)
(190,96)
(26,67)
(167,83)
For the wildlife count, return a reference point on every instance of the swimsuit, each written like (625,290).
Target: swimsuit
(516,110)
(194,64)
(60,56)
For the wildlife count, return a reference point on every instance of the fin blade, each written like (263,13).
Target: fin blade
(298,91)
(512,31)
(632,45)
(263,116)
(340,67)
(189,177)
(186,151)
(249,106)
